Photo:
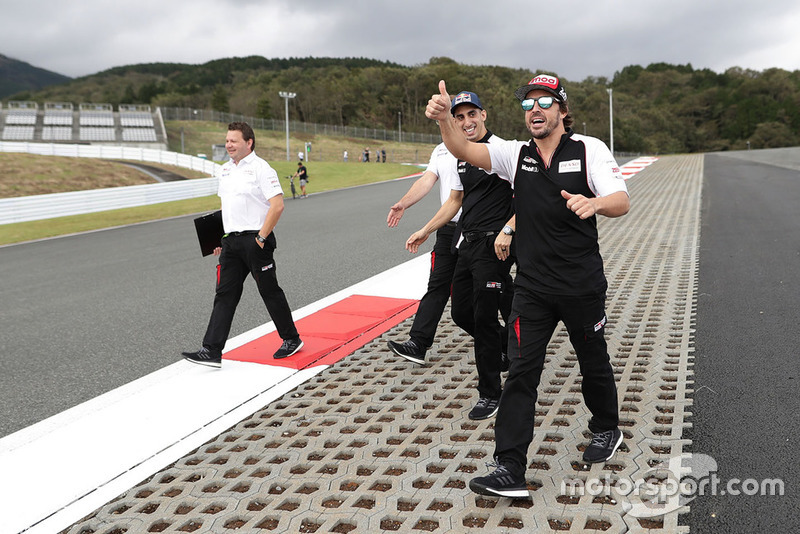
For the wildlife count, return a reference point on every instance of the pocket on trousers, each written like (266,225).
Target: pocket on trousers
(269,244)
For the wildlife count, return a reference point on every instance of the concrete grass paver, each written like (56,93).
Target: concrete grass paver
(374,444)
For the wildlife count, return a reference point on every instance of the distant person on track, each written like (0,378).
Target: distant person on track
(252,203)
(562,181)
(302,175)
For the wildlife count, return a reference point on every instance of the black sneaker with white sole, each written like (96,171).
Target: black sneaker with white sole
(410,350)
(288,347)
(603,446)
(484,409)
(204,356)
(500,483)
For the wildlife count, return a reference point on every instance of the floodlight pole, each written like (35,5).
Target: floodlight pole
(611,117)
(286,96)
(399,126)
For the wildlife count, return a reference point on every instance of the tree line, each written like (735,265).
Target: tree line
(661,108)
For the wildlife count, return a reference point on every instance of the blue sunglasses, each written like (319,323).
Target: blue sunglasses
(544,102)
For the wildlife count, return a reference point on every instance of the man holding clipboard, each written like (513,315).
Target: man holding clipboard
(252,203)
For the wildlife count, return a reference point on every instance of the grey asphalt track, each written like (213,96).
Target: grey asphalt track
(746,401)
(84,314)
(87,313)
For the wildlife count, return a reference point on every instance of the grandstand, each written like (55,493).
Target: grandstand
(90,123)
(137,124)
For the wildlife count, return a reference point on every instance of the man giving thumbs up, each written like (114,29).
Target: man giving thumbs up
(562,181)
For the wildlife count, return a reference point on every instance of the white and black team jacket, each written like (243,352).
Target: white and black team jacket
(557,252)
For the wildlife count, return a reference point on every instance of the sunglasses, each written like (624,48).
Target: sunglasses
(544,102)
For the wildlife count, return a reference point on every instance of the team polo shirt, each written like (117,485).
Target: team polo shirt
(443,165)
(245,190)
(557,252)
(488,200)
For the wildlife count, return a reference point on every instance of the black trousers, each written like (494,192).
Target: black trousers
(534,317)
(241,256)
(431,307)
(482,287)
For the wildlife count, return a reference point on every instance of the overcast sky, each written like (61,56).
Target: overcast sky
(573,39)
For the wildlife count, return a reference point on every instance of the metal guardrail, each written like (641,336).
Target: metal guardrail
(379,134)
(31,208)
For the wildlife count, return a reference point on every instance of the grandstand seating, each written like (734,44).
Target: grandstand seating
(142,135)
(97,133)
(60,122)
(57,133)
(57,114)
(137,123)
(96,115)
(22,113)
(18,133)
(131,116)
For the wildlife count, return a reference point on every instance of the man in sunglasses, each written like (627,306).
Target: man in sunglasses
(562,181)
(481,284)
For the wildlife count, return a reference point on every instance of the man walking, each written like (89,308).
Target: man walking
(443,256)
(252,203)
(481,281)
(562,181)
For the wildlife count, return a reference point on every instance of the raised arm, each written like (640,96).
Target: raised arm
(439,110)
(421,187)
(442,217)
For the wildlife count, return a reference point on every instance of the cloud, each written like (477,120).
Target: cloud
(574,39)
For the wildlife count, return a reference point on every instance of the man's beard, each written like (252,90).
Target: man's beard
(547,130)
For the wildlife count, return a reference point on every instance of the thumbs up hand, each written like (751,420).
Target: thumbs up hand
(580,205)
(439,105)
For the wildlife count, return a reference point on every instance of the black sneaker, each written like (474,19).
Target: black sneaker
(484,409)
(409,350)
(204,356)
(500,482)
(603,446)
(288,347)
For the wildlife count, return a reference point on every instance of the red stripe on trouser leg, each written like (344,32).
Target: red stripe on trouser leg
(219,268)
(433,260)
(516,331)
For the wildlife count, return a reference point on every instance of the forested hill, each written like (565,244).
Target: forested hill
(658,109)
(16,76)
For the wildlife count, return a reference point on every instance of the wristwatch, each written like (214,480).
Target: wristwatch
(260,239)
(508,230)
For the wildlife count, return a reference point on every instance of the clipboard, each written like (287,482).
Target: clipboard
(209,232)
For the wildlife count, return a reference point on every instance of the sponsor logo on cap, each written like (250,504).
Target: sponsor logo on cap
(547,81)
(462,98)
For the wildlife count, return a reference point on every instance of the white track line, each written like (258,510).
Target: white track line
(57,471)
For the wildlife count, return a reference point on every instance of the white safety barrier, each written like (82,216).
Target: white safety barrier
(31,208)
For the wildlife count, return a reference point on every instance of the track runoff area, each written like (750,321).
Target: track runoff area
(61,469)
